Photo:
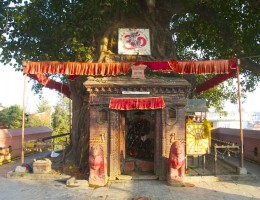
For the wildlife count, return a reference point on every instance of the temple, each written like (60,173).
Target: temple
(136,122)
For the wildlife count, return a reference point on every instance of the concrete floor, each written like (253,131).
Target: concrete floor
(24,189)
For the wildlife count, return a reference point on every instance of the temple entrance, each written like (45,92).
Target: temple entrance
(138,146)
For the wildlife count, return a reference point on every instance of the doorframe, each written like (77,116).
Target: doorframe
(115,125)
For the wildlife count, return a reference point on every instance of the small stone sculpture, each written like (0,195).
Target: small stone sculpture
(176,162)
(104,51)
(97,165)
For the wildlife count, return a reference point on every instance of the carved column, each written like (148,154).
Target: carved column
(164,156)
(158,143)
(113,145)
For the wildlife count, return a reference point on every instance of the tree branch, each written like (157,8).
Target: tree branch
(251,66)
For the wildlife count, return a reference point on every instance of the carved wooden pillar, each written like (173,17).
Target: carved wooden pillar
(158,143)
(164,156)
(122,140)
(114,154)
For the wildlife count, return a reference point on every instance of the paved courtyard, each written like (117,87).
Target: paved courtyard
(20,189)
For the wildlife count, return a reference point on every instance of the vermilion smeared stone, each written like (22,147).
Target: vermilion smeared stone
(145,166)
(129,166)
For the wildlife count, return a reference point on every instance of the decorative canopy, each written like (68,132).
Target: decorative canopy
(224,69)
(136,103)
(113,69)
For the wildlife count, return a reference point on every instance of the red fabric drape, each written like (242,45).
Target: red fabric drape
(224,68)
(136,103)
(51,84)
(153,65)
(77,68)
(219,78)
(113,69)
(156,65)
(203,67)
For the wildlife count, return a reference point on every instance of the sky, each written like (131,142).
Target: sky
(12,88)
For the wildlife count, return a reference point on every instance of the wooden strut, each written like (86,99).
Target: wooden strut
(240,117)
(24,96)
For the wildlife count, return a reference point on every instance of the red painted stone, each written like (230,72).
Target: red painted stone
(98,166)
(129,166)
(176,162)
(145,166)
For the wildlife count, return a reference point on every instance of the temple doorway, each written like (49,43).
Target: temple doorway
(137,157)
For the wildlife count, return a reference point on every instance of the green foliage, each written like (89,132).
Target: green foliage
(12,117)
(221,30)
(42,117)
(37,120)
(61,119)
(43,106)
(58,30)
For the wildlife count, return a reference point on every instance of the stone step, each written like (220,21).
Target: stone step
(145,177)
(136,177)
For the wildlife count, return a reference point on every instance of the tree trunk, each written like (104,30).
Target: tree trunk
(162,48)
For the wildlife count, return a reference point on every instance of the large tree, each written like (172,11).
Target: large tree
(72,30)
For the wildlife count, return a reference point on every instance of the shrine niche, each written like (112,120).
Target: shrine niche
(134,122)
(139,143)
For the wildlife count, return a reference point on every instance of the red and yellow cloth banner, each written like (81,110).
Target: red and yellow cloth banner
(117,68)
(77,68)
(137,103)
(203,67)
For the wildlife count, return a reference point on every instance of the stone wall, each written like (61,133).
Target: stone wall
(251,140)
